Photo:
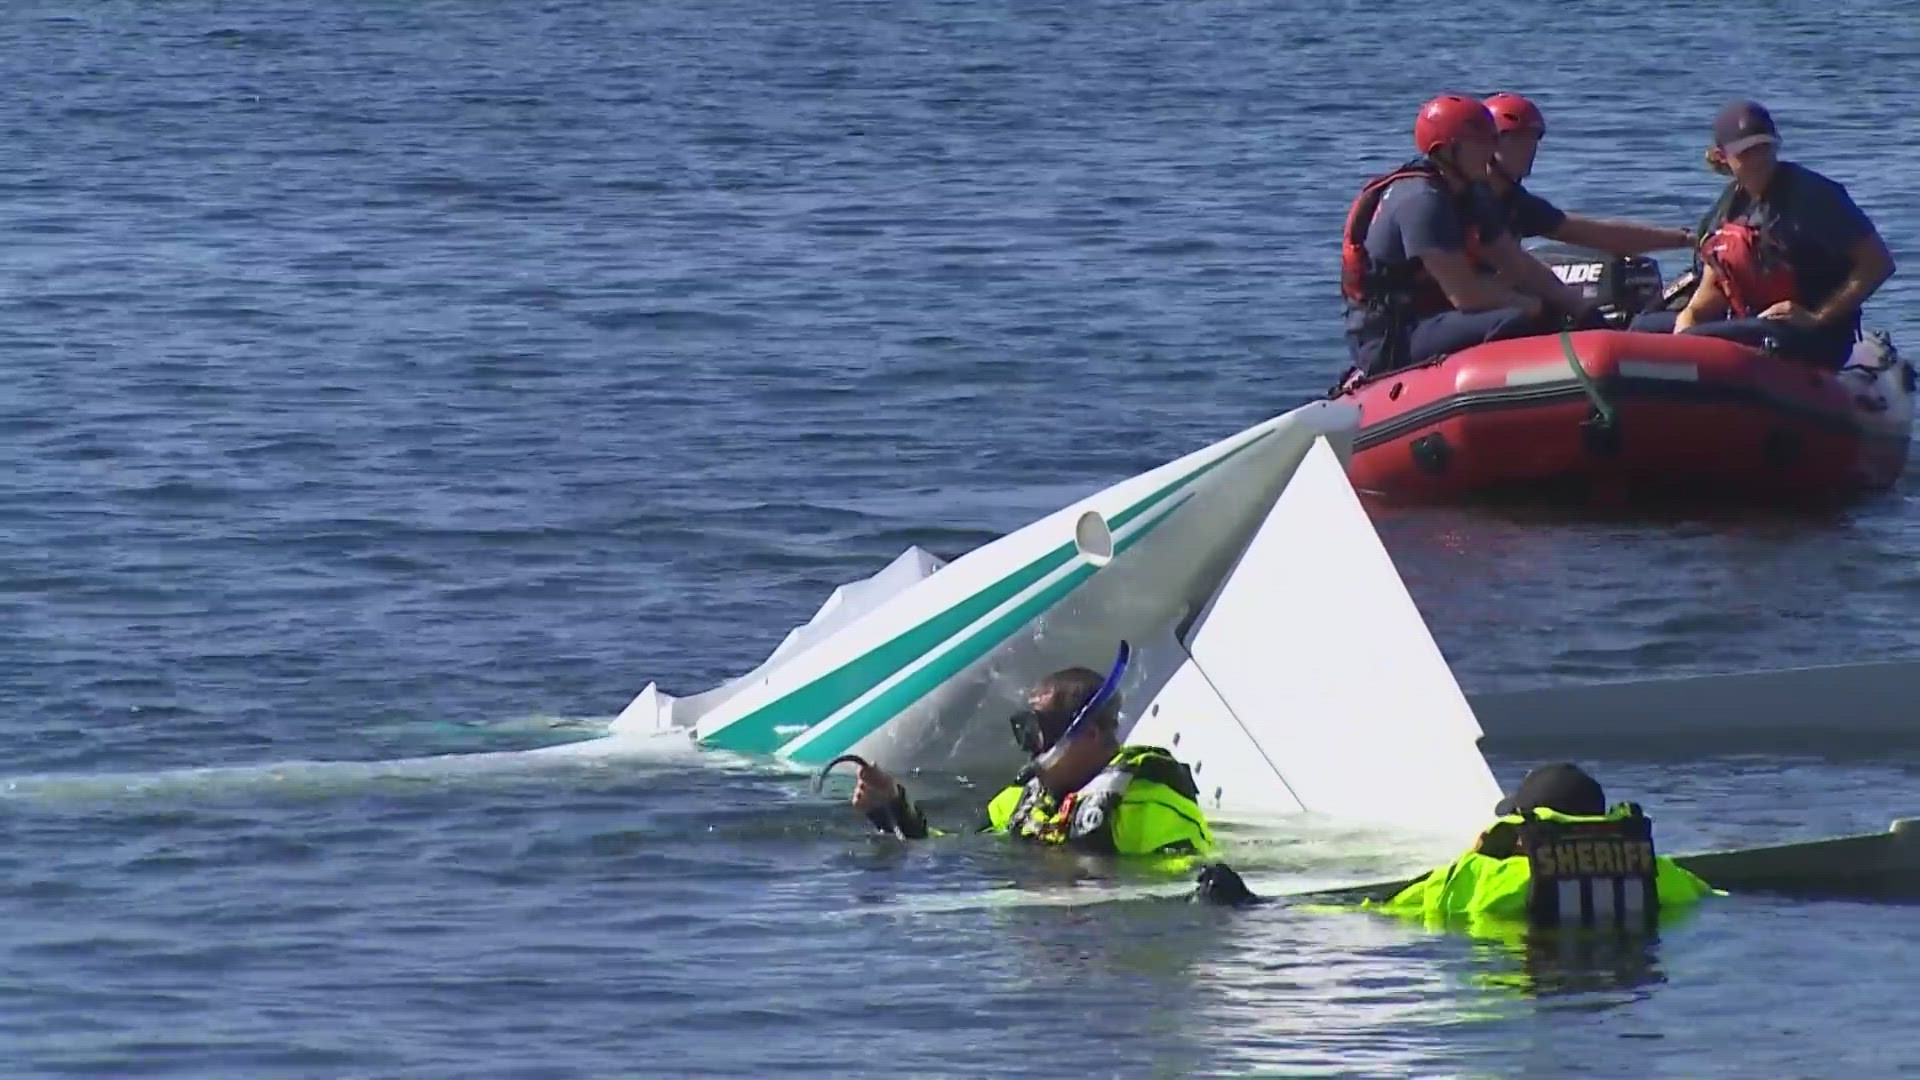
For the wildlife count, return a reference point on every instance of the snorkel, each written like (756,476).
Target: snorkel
(1047,763)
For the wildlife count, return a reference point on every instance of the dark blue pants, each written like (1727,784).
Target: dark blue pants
(1827,346)
(1447,332)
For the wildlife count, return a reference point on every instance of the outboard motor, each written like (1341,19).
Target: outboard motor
(1623,285)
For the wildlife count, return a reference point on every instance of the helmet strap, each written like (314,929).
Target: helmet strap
(1442,157)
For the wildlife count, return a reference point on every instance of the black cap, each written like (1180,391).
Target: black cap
(1563,787)
(1743,120)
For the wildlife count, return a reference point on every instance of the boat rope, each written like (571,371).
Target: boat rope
(1600,404)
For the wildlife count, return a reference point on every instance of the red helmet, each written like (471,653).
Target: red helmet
(1450,118)
(1511,112)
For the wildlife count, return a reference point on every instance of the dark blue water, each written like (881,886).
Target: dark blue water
(390,380)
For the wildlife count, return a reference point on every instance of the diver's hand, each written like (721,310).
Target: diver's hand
(1217,883)
(874,790)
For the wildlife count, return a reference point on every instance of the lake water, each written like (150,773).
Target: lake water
(394,380)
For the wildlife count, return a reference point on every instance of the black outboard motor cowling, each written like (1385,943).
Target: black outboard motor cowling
(1625,285)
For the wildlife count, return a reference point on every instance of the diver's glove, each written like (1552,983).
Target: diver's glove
(900,817)
(1218,883)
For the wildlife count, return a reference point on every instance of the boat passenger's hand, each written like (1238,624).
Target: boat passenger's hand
(1587,313)
(1792,314)
(874,789)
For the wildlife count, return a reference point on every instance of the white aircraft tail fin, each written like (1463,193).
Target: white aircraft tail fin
(1312,682)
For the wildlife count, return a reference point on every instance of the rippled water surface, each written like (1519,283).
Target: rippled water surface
(398,380)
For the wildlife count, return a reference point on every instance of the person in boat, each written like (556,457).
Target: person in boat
(1556,856)
(1082,789)
(1428,265)
(1521,126)
(1788,258)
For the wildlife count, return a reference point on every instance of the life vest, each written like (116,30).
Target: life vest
(1143,801)
(1551,870)
(1591,871)
(1752,268)
(1367,284)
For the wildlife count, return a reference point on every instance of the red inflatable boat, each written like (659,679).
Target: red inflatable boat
(1613,417)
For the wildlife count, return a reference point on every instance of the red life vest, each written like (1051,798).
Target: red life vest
(1753,271)
(1364,282)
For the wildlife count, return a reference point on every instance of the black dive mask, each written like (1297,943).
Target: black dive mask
(1030,729)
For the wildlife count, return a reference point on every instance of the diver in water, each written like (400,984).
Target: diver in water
(1083,789)
(1557,855)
